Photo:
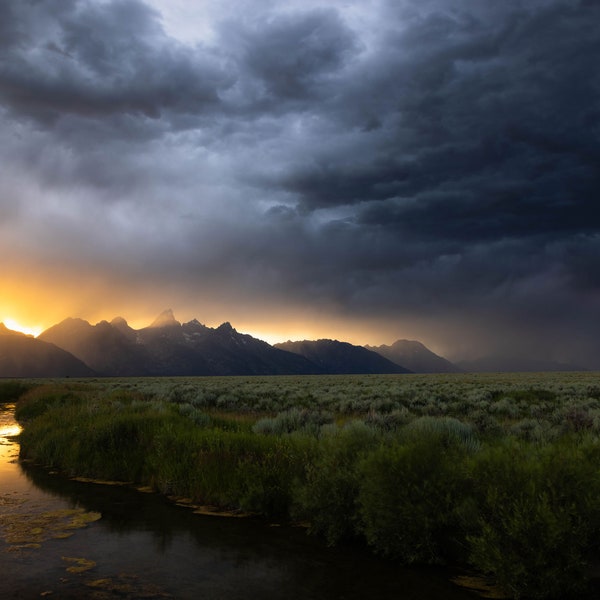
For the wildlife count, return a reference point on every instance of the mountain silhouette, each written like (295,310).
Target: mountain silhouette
(24,356)
(342,358)
(108,348)
(415,356)
(168,347)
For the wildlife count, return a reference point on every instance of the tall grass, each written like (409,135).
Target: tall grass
(12,389)
(118,437)
(503,479)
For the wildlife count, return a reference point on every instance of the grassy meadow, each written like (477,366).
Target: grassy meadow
(497,473)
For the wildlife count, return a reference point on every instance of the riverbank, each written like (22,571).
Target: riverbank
(144,546)
(418,489)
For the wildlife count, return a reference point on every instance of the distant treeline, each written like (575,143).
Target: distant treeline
(490,479)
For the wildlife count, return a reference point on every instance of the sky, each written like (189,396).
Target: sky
(363,170)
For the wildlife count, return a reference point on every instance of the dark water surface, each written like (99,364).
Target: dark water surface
(127,544)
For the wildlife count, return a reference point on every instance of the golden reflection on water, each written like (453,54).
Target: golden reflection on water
(9,449)
(9,430)
(8,425)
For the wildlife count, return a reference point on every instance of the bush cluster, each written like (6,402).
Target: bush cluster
(504,479)
(523,404)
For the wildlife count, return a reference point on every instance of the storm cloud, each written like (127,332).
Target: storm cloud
(382,168)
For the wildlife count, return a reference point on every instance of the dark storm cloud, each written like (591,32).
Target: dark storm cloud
(433,159)
(292,57)
(481,165)
(96,60)
(470,104)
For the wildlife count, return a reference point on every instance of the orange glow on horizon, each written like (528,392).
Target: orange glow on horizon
(35,304)
(16,326)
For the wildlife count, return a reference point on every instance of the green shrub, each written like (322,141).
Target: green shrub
(270,470)
(538,508)
(293,420)
(513,493)
(391,421)
(532,430)
(411,497)
(446,431)
(328,498)
(485,423)
(198,417)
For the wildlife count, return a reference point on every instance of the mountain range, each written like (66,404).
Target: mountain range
(168,347)
(76,348)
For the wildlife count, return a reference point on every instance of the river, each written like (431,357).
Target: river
(67,539)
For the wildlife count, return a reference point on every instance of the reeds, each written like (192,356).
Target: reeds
(11,390)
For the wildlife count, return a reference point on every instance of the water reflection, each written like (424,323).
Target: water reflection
(145,547)
(8,430)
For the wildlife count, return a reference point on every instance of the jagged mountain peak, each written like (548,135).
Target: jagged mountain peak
(69,326)
(165,319)
(120,325)
(119,322)
(195,328)
(74,321)
(225,327)
(195,323)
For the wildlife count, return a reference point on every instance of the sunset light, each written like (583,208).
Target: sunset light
(16,326)
(303,261)
(359,171)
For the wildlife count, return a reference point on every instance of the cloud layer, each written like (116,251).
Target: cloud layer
(390,168)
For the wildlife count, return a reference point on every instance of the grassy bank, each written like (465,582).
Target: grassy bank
(499,474)
(11,390)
